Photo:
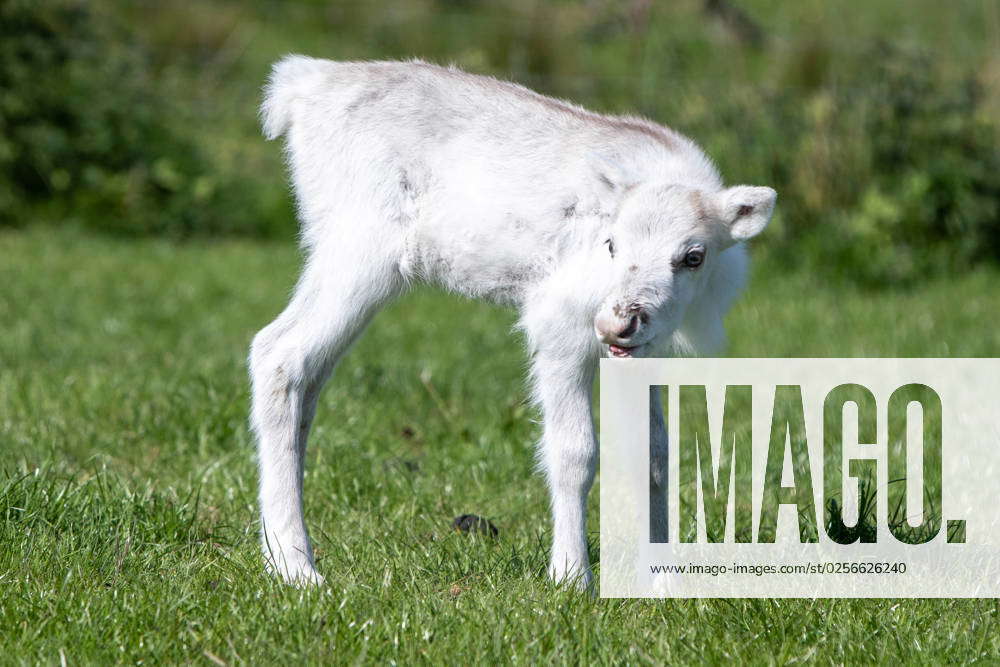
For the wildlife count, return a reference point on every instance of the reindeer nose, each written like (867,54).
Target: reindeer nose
(630,328)
(612,329)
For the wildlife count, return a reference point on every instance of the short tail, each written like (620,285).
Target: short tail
(292,78)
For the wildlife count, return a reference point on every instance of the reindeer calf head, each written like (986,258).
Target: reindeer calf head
(660,251)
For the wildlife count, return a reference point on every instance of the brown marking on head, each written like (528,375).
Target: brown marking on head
(698,204)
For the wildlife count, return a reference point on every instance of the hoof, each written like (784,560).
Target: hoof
(577,578)
(301,575)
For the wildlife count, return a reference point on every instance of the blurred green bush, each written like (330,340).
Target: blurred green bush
(883,148)
(87,138)
(892,173)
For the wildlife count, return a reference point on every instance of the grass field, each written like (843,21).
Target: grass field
(127,499)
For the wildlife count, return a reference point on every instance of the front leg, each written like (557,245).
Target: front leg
(658,465)
(568,457)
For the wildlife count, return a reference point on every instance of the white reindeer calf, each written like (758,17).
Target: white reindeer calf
(611,235)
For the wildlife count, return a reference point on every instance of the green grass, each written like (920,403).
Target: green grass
(127,509)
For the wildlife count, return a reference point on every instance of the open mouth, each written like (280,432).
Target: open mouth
(620,351)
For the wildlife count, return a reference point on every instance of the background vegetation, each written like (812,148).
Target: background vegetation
(876,122)
(146,233)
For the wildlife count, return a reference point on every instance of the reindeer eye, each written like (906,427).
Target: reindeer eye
(694,258)
(611,247)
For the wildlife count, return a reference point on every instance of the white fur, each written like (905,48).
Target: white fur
(410,172)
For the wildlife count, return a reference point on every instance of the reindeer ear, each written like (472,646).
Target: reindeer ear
(745,209)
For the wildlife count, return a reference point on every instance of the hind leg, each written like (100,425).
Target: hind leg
(341,289)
